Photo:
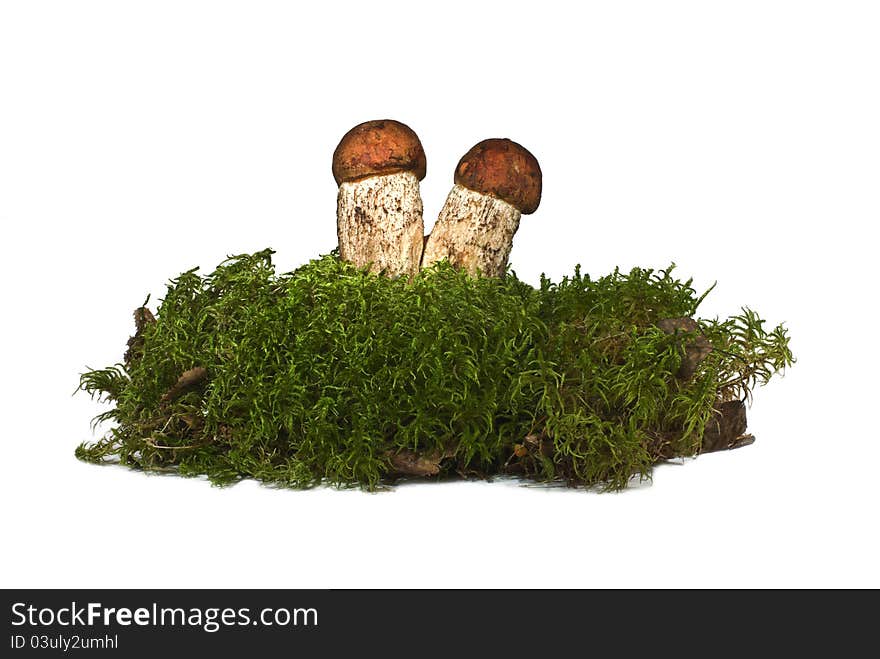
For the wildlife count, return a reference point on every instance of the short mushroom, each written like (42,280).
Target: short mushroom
(495,183)
(378,166)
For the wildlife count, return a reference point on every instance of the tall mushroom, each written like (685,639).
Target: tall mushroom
(495,183)
(378,166)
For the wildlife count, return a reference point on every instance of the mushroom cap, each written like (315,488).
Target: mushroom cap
(504,169)
(373,148)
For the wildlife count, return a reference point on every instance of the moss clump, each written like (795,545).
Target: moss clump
(330,374)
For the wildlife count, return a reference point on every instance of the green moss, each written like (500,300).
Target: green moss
(325,374)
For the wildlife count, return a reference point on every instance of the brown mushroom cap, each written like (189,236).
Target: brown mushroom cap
(378,147)
(504,169)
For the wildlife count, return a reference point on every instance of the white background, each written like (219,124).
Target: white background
(740,140)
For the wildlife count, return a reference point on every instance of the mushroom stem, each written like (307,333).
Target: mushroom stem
(379,223)
(474,232)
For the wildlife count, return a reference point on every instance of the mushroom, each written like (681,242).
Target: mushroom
(495,183)
(378,166)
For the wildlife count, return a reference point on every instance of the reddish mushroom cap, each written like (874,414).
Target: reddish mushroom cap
(378,147)
(504,169)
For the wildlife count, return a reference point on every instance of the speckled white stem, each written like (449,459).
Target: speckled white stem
(379,223)
(474,232)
